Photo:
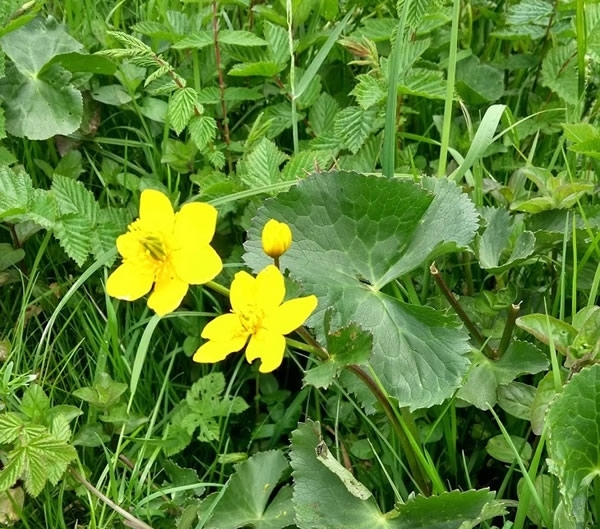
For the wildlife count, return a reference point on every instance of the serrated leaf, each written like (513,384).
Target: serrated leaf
(202,129)
(277,39)
(16,190)
(197,40)
(353,125)
(304,163)
(11,425)
(240,38)
(423,83)
(255,69)
(322,114)
(254,480)
(369,91)
(262,165)
(37,457)
(559,72)
(574,439)
(181,108)
(353,234)
(35,403)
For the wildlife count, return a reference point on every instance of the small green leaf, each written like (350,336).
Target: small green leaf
(202,130)
(495,241)
(262,165)
(543,326)
(240,38)
(353,125)
(35,403)
(181,108)
(256,69)
(559,72)
(103,394)
(346,346)
(516,398)
(499,448)
(485,375)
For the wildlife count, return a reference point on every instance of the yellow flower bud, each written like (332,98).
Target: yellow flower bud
(276,238)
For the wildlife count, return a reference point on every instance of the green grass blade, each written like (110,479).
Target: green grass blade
(388,158)
(449,88)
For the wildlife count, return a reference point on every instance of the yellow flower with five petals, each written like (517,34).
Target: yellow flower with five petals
(165,249)
(258,316)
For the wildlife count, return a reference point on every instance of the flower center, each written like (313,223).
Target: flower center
(251,318)
(153,243)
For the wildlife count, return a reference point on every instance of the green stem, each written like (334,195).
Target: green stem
(472,328)
(388,157)
(411,457)
(218,288)
(305,347)
(449,89)
(513,312)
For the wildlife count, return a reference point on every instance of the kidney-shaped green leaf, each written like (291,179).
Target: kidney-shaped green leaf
(352,235)
(323,500)
(574,441)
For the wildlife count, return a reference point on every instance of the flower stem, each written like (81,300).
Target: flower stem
(303,347)
(472,328)
(412,455)
(218,288)
(513,312)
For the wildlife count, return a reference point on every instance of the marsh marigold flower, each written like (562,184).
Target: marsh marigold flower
(276,238)
(257,314)
(165,249)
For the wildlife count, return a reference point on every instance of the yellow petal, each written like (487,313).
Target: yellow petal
(270,289)
(156,211)
(276,238)
(269,347)
(129,281)
(195,223)
(196,264)
(243,291)
(225,327)
(168,293)
(291,315)
(211,352)
(129,246)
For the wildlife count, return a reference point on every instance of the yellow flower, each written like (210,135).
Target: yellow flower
(165,249)
(259,314)
(276,238)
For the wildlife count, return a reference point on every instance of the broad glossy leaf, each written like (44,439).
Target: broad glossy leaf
(322,500)
(353,234)
(40,101)
(244,502)
(574,438)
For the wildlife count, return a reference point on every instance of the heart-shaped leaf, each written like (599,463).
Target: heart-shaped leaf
(353,234)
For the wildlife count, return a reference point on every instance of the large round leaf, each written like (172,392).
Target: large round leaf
(353,234)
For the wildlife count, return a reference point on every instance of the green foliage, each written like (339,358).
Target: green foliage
(40,100)
(202,409)
(255,481)
(347,256)
(573,445)
(36,443)
(322,500)
(68,209)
